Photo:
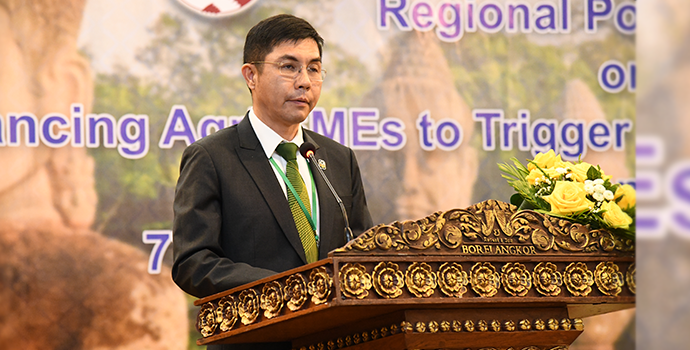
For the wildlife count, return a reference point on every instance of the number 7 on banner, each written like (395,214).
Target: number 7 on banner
(160,239)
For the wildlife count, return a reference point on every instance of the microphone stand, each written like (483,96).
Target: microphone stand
(348,232)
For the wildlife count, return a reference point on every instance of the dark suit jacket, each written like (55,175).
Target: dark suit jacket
(232,221)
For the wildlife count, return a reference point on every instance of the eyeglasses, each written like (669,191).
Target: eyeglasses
(290,69)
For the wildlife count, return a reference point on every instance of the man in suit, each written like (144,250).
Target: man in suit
(236,218)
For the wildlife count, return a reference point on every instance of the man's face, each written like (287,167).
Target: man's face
(282,102)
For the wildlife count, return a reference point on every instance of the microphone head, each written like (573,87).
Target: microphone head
(307,149)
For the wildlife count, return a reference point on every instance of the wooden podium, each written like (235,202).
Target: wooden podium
(484,277)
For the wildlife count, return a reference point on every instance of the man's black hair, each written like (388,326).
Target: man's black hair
(273,31)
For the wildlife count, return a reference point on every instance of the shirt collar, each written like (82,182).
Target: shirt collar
(268,138)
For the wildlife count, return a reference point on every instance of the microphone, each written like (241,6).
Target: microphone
(307,151)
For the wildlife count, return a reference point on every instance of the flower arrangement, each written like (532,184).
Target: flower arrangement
(577,191)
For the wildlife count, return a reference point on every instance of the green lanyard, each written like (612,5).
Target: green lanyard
(312,221)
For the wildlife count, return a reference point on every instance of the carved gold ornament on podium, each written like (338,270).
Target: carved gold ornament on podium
(552,323)
(578,279)
(452,280)
(271,299)
(248,306)
(355,281)
(630,279)
(608,278)
(495,325)
(206,321)
(547,279)
(227,311)
(433,327)
(517,281)
(455,230)
(295,292)
(485,280)
(320,285)
(388,280)
(420,279)
(539,325)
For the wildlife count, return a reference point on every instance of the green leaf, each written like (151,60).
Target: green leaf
(516,200)
(593,173)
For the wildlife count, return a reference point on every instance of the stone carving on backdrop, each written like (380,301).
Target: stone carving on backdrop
(408,88)
(64,286)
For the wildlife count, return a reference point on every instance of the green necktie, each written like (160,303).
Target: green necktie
(306,234)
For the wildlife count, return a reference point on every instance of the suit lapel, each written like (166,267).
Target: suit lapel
(252,156)
(328,207)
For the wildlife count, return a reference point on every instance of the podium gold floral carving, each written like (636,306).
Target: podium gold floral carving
(608,279)
(355,280)
(485,280)
(578,279)
(320,285)
(227,313)
(271,299)
(447,232)
(547,279)
(248,306)
(630,278)
(420,280)
(295,292)
(388,280)
(206,320)
(516,279)
(452,280)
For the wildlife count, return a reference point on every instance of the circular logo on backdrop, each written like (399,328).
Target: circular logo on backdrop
(218,8)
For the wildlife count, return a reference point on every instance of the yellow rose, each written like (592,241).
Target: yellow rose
(627,195)
(552,172)
(534,174)
(568,197)
(562,164)
(615,216)
(544,160)
(579,171)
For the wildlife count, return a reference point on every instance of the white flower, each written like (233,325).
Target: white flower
(589,188)
(561,170)
(589,182)
(599,182)
(599,188)
(568,176)
(608,195)
(598,196)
